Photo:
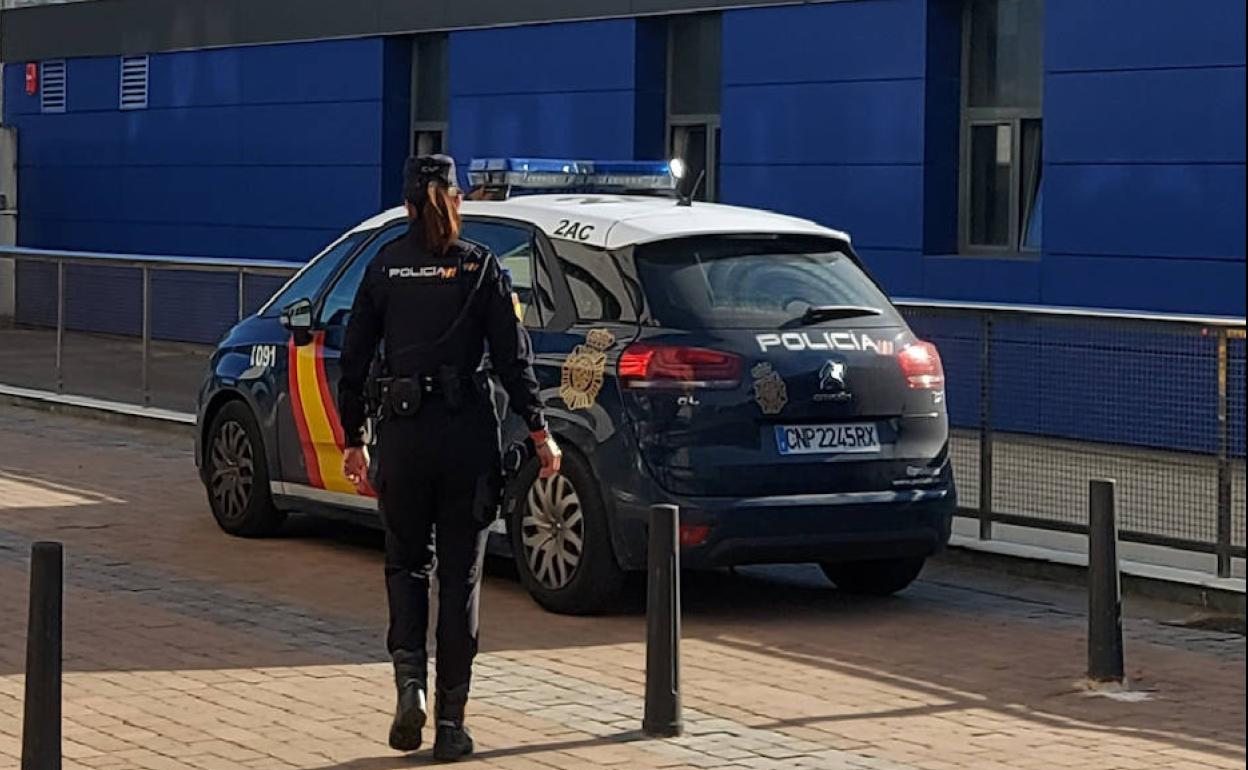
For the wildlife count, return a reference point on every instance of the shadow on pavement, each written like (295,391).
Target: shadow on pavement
(424,757)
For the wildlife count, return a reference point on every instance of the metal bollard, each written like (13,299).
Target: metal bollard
(662,715)
(41,722)
(1104,586)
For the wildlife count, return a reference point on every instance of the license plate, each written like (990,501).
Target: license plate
(858,437)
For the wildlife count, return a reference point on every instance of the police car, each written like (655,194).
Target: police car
(737,363)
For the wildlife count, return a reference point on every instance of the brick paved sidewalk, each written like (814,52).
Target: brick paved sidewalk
(189,649)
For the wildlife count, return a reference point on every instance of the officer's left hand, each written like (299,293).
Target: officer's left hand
(355,467)
(548,453)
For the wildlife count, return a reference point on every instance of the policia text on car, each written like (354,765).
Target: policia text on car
(433,302)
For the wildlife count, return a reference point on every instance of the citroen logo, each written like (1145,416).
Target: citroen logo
(832,385)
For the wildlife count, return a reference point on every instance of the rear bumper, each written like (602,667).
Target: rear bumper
(807,528)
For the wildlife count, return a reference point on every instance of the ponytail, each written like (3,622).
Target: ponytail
(439,218)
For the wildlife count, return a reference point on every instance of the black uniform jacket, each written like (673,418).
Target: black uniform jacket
(410,298)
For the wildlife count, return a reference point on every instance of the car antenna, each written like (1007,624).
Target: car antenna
(687,198)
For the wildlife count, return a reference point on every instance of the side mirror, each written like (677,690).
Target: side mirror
(297,319)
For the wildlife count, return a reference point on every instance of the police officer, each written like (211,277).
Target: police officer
(434,303)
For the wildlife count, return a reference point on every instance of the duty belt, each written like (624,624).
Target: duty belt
(403,396)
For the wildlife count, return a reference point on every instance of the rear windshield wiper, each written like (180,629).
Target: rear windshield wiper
(820,313)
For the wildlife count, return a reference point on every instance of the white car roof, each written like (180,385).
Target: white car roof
(616,221)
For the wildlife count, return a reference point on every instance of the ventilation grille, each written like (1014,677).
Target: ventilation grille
(52,86)
(134,82)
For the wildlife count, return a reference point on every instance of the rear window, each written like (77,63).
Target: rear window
(750,282)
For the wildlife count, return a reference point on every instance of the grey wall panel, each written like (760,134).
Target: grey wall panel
(110,27)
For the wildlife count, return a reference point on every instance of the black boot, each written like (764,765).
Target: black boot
(411,712)
(453,741)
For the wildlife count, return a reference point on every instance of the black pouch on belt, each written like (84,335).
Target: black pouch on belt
(403,396)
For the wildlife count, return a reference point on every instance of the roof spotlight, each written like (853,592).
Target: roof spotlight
(677,167)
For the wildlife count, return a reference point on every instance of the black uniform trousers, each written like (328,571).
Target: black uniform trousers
(435,479)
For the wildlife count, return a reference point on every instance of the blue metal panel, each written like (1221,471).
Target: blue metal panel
(588,124)
(314,134)
(880,206)
(899,272)
(1213,287)
(942,123)
(288,243)
(323,71)
(198,136)
(395,129)
(184,238)
(16,102)
(71,139)
(1146,115)
(308,196)
(93,85)
(833,123)
(982,280)
(585,56)
(291,196)
(75,193)
(1146,210)
(187,194)
(195,78)
(873,40)
(1123,34)
(651,83)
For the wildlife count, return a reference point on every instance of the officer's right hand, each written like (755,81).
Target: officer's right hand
(355,467)
(548,453)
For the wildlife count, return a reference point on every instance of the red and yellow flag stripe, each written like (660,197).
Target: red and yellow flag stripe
(316,417)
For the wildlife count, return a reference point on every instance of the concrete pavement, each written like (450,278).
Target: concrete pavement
(189,649)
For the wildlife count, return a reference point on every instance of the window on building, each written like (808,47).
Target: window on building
(693,86)
(1002,152)
(430,101)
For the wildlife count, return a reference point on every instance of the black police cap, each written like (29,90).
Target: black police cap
(419,172)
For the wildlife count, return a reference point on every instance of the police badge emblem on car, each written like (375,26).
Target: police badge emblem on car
(582,375)
(769,389)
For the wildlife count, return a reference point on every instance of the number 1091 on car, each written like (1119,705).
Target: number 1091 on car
(827,439)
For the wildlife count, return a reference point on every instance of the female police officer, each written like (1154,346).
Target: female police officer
(433,302)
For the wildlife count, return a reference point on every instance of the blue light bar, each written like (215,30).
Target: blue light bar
(516,176)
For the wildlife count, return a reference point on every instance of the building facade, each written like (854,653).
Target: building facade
(1058,152)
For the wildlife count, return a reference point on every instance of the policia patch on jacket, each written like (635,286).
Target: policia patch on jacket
(583,370)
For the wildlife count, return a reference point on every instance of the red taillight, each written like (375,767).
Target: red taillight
(920,363)
(32,79)
(694,534)
(643,365)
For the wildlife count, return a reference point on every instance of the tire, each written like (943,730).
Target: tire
(882,577)
(236,474)
(555,514)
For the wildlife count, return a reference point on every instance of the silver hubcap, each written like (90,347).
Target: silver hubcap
(232,470)
(553,531)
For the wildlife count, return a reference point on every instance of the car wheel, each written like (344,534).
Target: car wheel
(237,476)
(562,544)
(882,577)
